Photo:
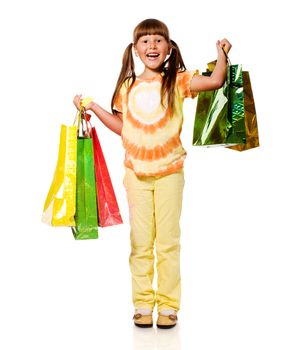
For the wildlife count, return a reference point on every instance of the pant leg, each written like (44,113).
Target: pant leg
(141,209)
(168,204)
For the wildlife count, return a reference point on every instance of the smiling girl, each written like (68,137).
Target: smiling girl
(147,111)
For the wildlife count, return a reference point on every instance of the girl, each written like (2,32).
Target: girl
(147,111)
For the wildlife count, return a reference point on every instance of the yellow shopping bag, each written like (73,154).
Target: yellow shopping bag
(60,205)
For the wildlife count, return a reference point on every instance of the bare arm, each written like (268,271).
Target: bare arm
(217,78)
(113,122)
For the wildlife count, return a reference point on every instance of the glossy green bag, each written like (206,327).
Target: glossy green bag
(250,116)
(219,119)
(86,207)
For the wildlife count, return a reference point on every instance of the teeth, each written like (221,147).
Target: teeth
(153,55)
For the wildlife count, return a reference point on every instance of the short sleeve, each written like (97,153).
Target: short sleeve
(119,104)
(184,83)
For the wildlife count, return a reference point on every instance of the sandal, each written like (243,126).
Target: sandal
(143,321)
(166,321)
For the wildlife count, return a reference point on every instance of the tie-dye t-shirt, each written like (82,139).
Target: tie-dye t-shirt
(150,135)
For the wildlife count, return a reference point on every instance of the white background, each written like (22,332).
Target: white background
(58,293)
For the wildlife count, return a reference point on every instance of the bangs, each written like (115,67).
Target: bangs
(150,27)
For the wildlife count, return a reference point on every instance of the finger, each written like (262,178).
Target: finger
(222,43)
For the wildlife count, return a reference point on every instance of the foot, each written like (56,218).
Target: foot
(166,321)
(143,321)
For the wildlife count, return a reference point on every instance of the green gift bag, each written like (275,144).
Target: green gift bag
(86,207)
(251,125)
(219,119)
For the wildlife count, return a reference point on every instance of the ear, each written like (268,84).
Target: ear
(135,51)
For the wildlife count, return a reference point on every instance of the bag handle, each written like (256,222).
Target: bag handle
(226,55)
(80,120)
(228,66)
(76,119)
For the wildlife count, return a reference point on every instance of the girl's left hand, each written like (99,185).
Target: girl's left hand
(224,43)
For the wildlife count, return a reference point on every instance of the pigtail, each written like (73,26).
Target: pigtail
(127,73)
(171,67)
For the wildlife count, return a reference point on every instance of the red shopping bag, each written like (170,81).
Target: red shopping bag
(108,209)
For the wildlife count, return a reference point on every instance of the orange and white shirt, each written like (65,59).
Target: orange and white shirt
(150,134)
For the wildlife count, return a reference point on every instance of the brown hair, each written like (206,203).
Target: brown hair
(170,67)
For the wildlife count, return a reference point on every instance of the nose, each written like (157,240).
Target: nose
(152,44)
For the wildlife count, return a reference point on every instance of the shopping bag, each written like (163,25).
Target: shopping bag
(86,207)
(108,209)
(59,208)
(251,127)
(219,119)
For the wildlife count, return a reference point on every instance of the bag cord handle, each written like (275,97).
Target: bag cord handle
(226,55)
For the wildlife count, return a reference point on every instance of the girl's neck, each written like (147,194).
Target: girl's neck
(149,74)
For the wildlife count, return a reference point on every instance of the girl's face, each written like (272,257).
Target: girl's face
(152,50)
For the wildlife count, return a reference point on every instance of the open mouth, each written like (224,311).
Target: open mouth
(152,55)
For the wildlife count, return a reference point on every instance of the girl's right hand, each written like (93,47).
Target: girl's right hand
(77,101)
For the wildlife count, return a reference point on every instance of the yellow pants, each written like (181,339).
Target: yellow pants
(155,208)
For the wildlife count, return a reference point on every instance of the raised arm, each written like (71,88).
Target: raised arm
(217,78)
(113,122)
